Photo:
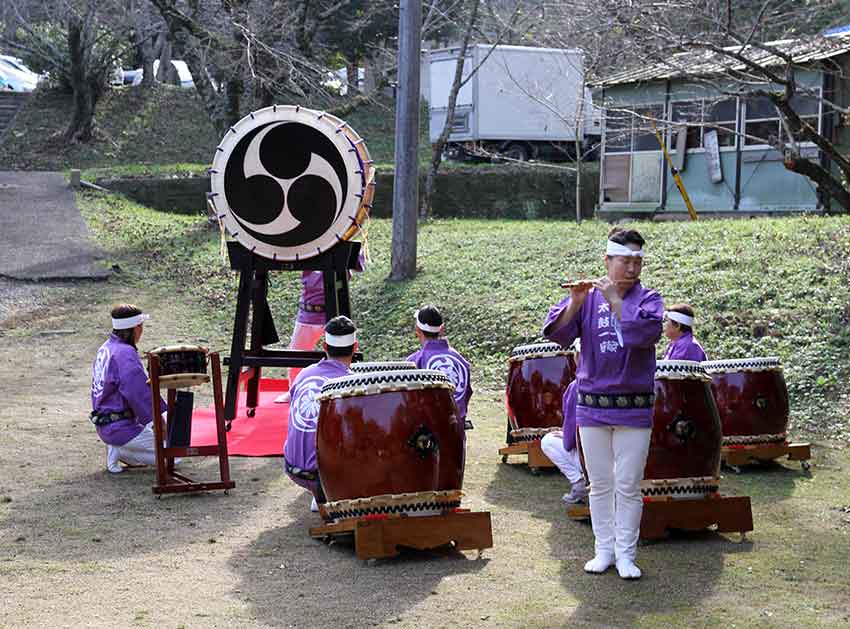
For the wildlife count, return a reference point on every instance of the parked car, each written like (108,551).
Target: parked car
(183,73)
(4,83)
(19,78)
(130,76)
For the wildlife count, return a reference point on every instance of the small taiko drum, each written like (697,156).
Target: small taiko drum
(538,375)
(387,365)
(752,399)
(181,365)
(684,450)
(389,442)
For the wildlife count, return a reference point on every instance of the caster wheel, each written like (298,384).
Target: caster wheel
(251,412)
(226,492)
(504,458)
(805,465)
(735,469)
(228,426)
(535,471)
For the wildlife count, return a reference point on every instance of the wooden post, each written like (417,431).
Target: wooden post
(406,181)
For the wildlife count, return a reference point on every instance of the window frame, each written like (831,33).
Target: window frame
(818,94)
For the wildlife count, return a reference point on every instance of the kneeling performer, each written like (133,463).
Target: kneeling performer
(299,451)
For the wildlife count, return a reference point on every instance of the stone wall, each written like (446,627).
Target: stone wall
(508,192)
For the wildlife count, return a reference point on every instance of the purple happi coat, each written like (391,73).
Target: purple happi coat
(438,354)
(299,450)
(617,355)
(685,348)
(118,384)
(313,294)
(569,409)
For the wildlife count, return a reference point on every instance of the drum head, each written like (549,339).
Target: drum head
(388,365)
(538,350)
(385,381)
(743,364)
(290,182)
(680,369)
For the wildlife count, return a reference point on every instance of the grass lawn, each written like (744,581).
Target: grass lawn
(71,536)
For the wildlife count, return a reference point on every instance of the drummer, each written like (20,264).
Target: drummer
(299,450)
(310,320)
(436,353)
(120,394)
(619,323)
(560,445)
(679,328)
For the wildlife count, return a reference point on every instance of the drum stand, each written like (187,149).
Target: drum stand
(381,536)
(735,456)
(252,298)
(536,459)
(725,514)
(169,481)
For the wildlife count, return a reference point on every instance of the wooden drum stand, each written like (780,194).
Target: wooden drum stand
(528,445)
(168,480)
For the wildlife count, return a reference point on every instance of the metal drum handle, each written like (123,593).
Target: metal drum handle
(423,441)
(682,428)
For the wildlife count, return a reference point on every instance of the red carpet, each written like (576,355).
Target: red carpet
(261,435)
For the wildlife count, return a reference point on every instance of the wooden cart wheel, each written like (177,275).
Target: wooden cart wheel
(504,458)
(251,412)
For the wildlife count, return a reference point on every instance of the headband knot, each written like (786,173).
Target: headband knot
(426,327)
(340,340)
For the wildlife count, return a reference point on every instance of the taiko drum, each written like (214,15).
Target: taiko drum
(538,375)
(752,399)
(390,433)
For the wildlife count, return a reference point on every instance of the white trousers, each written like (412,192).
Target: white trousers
(304,336)
(140,450)
(567,461)
(615,457)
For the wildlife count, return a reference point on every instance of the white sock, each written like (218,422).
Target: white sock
(599,564)
(627,569)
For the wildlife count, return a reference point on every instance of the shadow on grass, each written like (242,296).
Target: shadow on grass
(292,579)
(107,515)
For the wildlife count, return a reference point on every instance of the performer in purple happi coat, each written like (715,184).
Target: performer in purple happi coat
(310,320)
(299,450)
(679,328)
(120,395)
(436,353)
(619,323)
(561,447)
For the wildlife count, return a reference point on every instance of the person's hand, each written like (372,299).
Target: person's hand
(608,290)
(579,293)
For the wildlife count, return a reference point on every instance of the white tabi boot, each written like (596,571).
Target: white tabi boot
(602,520)
(627,531)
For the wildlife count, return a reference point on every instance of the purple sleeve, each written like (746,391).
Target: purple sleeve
(567,333)
(569,409)
(640,323)
(135,390)
(694,352)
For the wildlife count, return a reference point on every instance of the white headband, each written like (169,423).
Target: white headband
(425,327)
(345,340)
(129,322)
(616,249)
(680,318)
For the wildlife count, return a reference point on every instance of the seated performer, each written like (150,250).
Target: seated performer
(120,394)
(436,353)
(310,320)
(678,327)
(619,323)
(561,446)
(299,451)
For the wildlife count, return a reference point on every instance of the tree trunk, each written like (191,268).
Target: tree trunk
(81,127)
(351,72)
(824,179)
(442,140)
(406,183)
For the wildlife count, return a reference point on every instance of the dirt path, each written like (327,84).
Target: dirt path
(80,547)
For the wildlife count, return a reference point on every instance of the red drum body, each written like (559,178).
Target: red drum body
(684,450)
(390,442)
(752,399)
(538,376)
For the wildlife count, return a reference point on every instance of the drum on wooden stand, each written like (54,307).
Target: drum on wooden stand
(752,399)
(386,365)
(538,376)
(389,443)
(181,365)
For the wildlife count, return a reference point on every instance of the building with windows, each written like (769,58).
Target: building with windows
(725,141)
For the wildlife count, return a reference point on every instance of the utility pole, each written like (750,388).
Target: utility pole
(406,180)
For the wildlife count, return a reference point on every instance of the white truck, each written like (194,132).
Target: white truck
(522,102)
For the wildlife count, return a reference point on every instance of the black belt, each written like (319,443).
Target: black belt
(102,419)
(310,307)
(310,475)
(616,400)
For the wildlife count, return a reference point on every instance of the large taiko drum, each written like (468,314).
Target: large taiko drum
(389,442)
(752,399)
(289,182)
(684,450)
(538,375)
